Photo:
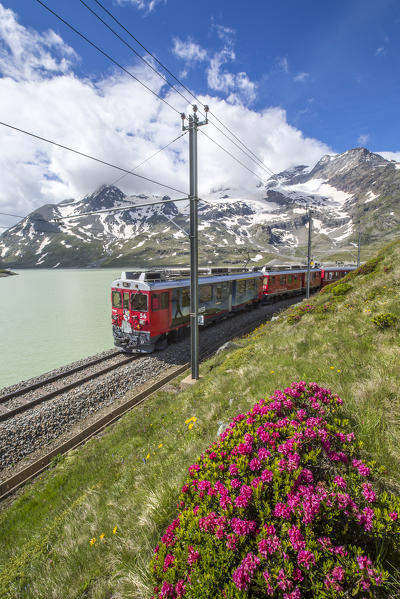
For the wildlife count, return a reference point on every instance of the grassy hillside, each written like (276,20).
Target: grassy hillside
(87,527)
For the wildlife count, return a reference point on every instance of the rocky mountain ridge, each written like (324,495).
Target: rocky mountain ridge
(344,192)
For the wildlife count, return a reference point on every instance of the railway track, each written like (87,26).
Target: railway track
(9,486)
(30,396)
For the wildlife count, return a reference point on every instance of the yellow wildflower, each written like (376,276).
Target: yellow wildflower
(102,536)
(159,447)
(272,371)
(339,371)
(92,541)
(115,529)
(191,425)
(192,419)
(147,457)
(332,368)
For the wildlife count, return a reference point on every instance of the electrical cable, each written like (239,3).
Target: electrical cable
(231,155)
(106,55)
(270,172)
(150,157)
(265,168)
(243,144)
(133,50)
(128,172)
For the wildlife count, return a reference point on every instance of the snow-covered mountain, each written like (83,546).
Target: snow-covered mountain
(344,191)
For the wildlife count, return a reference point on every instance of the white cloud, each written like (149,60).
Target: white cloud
(117,120)
(301,77)
(145,5)
(237,86)
(283,64)
(225,34)
(27,54)
(189,51)
(390,155)
(381,51)
(363,139)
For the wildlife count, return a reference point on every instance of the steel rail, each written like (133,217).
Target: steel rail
(16,481)
(55,377)
(38,400)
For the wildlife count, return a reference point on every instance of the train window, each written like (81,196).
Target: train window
(242,286)
(116,299)
(330,276)
(250,284)
(205,293)
(218,294)
(185,298)
(282,279)
(126,300)
(155,302)
(164,300)
(272,280)
(290,278)
(139,302)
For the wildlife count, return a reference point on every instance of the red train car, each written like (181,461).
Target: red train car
(333,273)
(284,283)
(150,308)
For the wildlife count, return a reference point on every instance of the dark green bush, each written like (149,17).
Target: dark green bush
(385,321)
(341,289)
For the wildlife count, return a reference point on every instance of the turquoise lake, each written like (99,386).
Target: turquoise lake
(49,318)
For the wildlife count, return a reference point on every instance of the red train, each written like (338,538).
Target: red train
(151,308)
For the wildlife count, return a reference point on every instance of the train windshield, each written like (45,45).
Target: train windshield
(139,302)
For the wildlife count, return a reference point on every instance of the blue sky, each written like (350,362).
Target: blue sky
(333,66)
(293,79)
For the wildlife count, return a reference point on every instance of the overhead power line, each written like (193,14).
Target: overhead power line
(106,55)
(243,144)
(113,183)
(231,155)
(119,168)
(149,158)
(133,50)
(254,156)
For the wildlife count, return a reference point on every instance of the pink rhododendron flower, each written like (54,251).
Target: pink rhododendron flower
(340,482)
(296,538)
(368,492)
(243,575)
(306,559)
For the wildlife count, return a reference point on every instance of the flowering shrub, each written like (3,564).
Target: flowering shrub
(281,506)
(298,312)
(385,321)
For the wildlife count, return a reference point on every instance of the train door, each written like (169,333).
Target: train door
(230,296)
(126,325)
(159,312)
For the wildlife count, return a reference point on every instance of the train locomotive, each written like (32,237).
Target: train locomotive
(149,309)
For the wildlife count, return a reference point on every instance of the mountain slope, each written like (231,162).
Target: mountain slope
(356,189)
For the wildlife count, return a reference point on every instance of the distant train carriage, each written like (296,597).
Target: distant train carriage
(333,273)
(150,308)
(284,283)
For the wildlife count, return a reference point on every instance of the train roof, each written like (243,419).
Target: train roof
(338,267)
(130,280)
(288,272)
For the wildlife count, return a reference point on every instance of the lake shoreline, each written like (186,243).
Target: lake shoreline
(7,273)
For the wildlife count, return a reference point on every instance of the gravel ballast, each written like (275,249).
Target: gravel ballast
(39,426)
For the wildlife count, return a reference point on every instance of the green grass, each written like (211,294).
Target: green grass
(45,534)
